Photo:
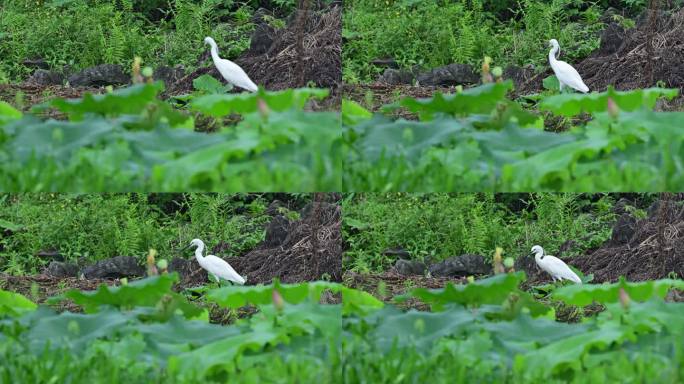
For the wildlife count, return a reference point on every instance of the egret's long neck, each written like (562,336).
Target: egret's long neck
(199,251)
(538,255)
(214,55)
(552,54)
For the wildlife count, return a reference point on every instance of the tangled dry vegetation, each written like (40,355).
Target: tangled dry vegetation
(646,249)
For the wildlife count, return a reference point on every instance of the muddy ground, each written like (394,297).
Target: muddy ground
(625,60)
(306,52)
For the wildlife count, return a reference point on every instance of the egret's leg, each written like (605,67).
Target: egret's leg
(561,86)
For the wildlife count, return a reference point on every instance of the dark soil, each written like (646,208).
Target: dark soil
(29,95)
(39,288)
(312,250)
(651,248)
(632,66)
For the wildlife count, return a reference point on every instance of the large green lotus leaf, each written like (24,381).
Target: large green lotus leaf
(552,166)
(403,137)
(129,100)
(650,316)
(204,162)
(569,352)
(491,290)
(421,329)
(164,143)
(14,304)
(571,104)
(219,105)
(208,84)
(353,112)
(516,139)
(654,316)
(610,292)
(179,335)
(482,99)
(300,126)
(238,296)
(223,352)
(76,331)
(539,331)
(144,292)
(8,113)
(355,301)
(310,318)
(60,139)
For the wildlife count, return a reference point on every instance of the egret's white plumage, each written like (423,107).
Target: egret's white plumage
(216,266)
(229,70)
(554,266)
(565,73)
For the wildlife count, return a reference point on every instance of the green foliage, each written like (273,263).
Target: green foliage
(551,83)
(435,226)
(219,105)
(476,100)
(299,341)
(239,296)
(130,140)
(142,293)
(14,304)
(310,341)
(502,288)
(572,104)
(465,344)
(208,84)
(610,293)
(478,140)
(8,113)
(430,34)
(353,113)
(95,227)
(82,33)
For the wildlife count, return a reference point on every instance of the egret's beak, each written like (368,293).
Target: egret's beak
(187,247)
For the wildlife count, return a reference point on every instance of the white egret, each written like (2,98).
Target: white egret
(216,266)
(565,73)
(229,70)
(554,266)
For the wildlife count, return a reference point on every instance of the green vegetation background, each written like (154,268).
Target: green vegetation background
(440,32)
(98,226)
(435,226)
(82,33)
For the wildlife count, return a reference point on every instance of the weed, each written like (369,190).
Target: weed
(430,34)
(435,226)
(90,227)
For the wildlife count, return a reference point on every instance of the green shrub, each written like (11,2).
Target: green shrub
(434,33)
(96,226)
(436,226)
